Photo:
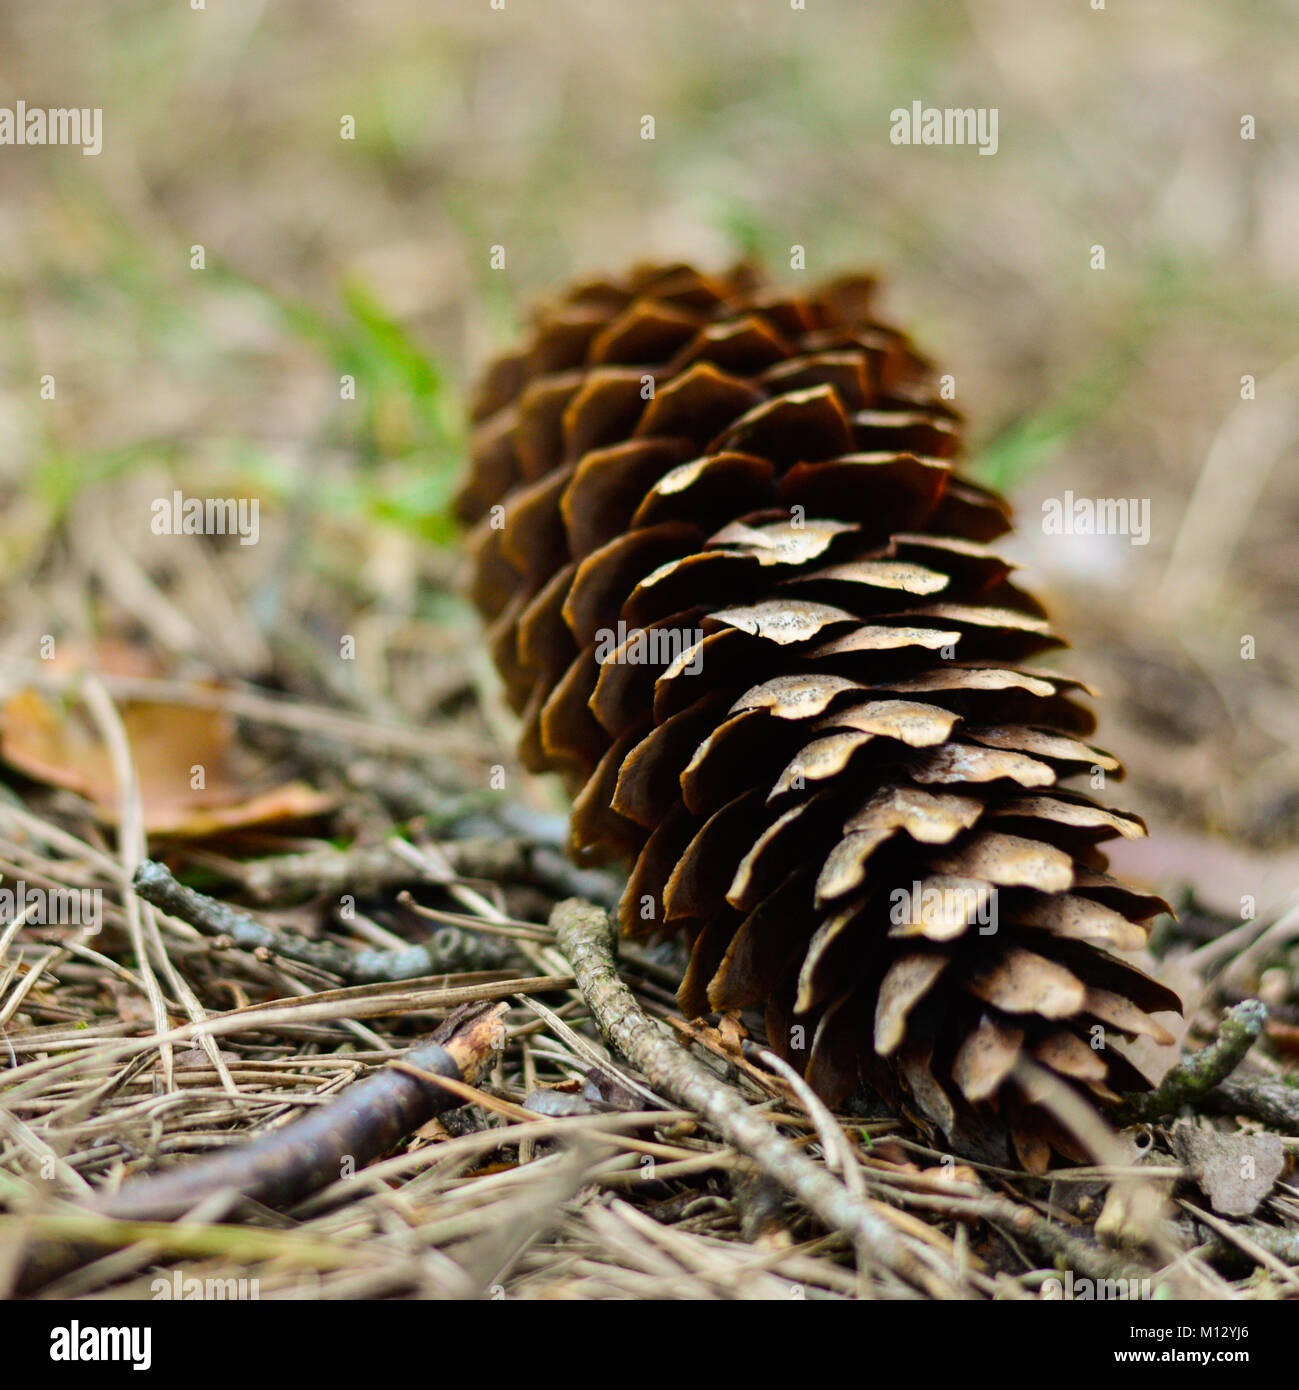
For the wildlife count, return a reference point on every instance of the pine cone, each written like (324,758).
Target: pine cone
(742,598)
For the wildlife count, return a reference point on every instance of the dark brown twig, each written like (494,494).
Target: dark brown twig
(365,1122)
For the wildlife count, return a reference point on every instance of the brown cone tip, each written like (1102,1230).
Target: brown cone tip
(741,595)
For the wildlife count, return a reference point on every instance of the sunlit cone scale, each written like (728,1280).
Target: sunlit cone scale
(742,597)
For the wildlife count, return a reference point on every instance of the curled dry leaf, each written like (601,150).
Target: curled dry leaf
(184,758)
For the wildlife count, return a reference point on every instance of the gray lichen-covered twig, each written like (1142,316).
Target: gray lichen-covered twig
(1197,1074)
(1269,1099)
(451,949)
(384,866)
(1276,1240)
(585,938)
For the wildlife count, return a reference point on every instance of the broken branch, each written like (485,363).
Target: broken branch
(1200,1072)
(450,950)
(585,938)
(366,1121)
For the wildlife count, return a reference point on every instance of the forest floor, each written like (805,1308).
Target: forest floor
(198,295)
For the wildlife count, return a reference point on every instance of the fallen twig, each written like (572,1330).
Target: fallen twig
(1066,1249)
(450,950)
(1200,1072)
(1278,1241)
(365,1122)
(281,1167)
(1270,1099)
(1262,1245)
(585,938)
(389,865)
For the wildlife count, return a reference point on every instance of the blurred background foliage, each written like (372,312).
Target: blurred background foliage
(521,127)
